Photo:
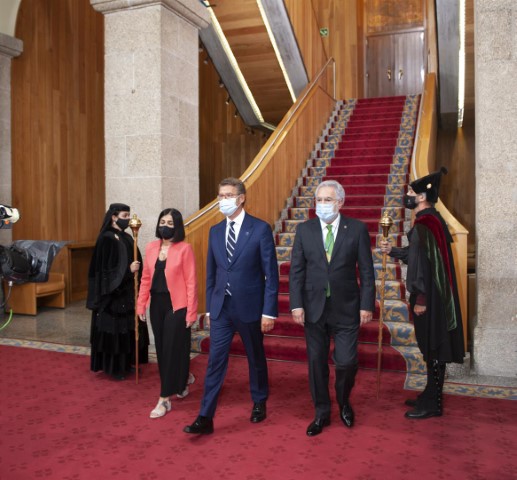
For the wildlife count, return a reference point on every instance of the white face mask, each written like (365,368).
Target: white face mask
(228,206)
(326,212)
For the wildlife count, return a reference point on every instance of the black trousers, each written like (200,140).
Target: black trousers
(317,337)
(172,340)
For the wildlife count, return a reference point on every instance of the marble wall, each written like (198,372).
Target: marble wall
(495,334)
(151,106)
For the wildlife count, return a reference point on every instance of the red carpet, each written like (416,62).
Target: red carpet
(60,421)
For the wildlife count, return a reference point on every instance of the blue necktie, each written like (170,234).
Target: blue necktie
(230,249)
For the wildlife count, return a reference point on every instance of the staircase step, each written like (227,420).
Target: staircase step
(379,131)
(372,225)
(385,120)
(310,190)
(391,179)
(294,349)
(395,310)
(352,160)
(393,271)
(393,290)
(286,239)
(401,333)
(367,149)
(396,168)
(355,170)
(361,213)
(364,134)
(372,142)
(285,327)
(351,201)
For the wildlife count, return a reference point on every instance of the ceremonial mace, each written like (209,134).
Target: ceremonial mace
(386,222)
(135,225)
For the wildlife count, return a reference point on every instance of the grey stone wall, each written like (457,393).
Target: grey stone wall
(495,335)
(151,106)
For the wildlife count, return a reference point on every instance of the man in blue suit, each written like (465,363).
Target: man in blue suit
(241,296)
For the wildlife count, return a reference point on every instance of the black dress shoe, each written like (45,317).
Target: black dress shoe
(258,413)
(410,402)
(316,427)
(202,426)
(347,415)
(419,414)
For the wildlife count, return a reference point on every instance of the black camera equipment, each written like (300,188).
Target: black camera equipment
(24,260)
(8,216)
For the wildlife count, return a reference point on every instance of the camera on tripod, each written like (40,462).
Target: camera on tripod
(25,260)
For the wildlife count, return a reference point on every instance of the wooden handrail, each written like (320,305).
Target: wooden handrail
(422,163)
(271,176)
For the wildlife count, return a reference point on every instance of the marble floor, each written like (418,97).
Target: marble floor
(71,326)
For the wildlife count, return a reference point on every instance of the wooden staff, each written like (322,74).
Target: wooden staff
(386,222)
(135,225)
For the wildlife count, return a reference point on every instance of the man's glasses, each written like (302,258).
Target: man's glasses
(228,195)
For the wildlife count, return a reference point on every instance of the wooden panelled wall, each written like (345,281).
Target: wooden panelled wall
(58,121)
(226,145)
(344,21)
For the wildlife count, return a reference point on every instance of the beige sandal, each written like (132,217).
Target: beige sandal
(161,409)
(190,381)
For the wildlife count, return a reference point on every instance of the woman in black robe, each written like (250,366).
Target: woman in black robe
(111,297)
(431,282)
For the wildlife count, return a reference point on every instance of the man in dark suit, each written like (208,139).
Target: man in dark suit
(242,296)
(327,300)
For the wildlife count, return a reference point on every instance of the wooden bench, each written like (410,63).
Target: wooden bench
(26,298)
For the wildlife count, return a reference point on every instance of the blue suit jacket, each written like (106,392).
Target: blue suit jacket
(252,275)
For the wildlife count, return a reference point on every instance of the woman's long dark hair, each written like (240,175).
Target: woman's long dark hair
(177,219)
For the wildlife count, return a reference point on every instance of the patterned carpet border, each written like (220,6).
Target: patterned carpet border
(412,382)
(415,381)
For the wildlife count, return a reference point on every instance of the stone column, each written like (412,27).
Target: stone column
(9,47)
(495,335)
(151,105)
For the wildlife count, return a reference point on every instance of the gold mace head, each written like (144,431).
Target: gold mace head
(135,224)
(386,222)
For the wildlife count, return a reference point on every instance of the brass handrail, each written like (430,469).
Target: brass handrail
(277,135)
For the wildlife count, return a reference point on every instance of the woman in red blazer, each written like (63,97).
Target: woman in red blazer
(169,284)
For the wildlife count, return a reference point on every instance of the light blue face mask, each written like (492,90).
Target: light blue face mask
(228,206)
(326,212)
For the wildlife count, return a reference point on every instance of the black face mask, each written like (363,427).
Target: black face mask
(166,232)
(123,223)
(410,201)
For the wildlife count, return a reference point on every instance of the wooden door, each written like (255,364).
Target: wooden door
(408,63)
(395,64)
(379,67)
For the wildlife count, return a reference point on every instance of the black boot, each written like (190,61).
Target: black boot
(429,403)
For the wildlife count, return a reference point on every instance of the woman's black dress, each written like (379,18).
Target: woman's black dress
(111,297)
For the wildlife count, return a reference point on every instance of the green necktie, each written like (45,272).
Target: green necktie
(329,245)
(329,242)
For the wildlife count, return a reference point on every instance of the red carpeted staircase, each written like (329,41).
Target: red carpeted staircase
(367,147)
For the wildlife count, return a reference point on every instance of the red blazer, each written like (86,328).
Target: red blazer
(180,275)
